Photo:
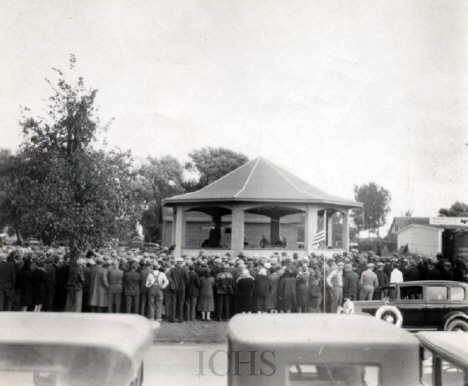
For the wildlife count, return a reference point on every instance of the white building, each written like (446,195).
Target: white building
(420,239)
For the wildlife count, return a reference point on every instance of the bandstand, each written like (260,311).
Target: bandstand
(258,199)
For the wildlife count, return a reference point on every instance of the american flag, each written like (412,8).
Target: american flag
(320,235)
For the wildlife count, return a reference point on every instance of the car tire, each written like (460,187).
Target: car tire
(457,325)
(390,314)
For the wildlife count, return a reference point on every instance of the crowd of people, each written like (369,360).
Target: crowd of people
(160,286)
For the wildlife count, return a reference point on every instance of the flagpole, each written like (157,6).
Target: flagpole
(324,262)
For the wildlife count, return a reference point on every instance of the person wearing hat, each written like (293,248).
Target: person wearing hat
(40,286)
(459,269)
(224,283)
(335,283)
(244,292)
(440,265)
(156,282)
(315,296)
(192,292)
(146,264)
(302,288)
(51,282)
(131,289)
(206,299)
(115,279)
(74,287)
(350,282)
(382,279)
(178,280)
(261,292)
(264,242)
(411,273)
(396,275)
(7,282)
(273,280)
(287,291)
(368,283)
(98,285)
(448,271)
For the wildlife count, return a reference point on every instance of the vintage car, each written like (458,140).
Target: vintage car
(447,353)
(319,350)
(53,349)
(421,305)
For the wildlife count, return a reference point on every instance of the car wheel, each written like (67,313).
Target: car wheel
(390,314)
(457,325)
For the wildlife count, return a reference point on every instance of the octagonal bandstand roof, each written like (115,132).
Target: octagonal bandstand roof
(260,180)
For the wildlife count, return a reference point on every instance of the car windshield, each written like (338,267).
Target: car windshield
(411,292)
(451,375)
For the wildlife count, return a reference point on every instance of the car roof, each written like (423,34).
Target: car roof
(77,330)
(433,282)
(450,345)
(319,329)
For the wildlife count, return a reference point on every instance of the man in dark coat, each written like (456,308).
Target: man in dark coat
(459,271)
(382,278)
(192,291)
(440,263)
(433,273)
(448,271)
(423,268)
(411,273)
(63,269)
(145,271)
(225,289)
(131,289)
(51,282)
(7,283)
(178,279)
(350,283)
(388,267)
(115,279)
(98,285)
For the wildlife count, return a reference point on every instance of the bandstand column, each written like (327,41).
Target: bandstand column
(330,229)
(345,235)
(310,227)
(174,222)
(179,230)
(274,229)
(237,229)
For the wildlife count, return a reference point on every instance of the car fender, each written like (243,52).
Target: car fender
(451,316)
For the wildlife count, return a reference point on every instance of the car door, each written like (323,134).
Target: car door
(412,305)
(438,304)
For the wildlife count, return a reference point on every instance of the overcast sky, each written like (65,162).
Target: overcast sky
(340,93)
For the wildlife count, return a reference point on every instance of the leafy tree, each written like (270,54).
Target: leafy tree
(212,164)
(164,178)
(10,177)
(72,193)
(376,200)
(458,209)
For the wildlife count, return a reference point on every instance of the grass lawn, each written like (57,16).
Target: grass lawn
(192,332)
